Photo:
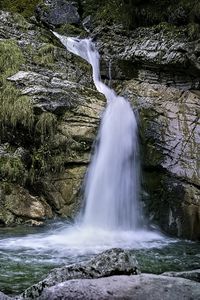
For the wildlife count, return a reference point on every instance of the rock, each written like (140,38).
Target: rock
(140,287)
(4,297)
(108,263)
(51,157)
(58,12)
(157,68)
(22,204)
(192,275)
(88,24)
(158,54)
(169,125)
(18,206)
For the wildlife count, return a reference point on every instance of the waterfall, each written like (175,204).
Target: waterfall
(112,182)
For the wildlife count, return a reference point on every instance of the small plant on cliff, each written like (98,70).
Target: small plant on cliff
(14,108)
(24,7)
(46,126)
(12,169)
(46,55)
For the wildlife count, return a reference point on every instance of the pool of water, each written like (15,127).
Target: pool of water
(27,254)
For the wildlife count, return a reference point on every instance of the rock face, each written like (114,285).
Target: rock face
(171,142)
(160,73)
(47,153)
(108,263)
(140,287)
(48,124)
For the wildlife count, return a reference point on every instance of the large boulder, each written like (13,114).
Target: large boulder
(140,287)
(58,12)
(108,263)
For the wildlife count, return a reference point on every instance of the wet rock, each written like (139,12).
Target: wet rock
(58,12)
(192,275)
(108,263)
(169,123)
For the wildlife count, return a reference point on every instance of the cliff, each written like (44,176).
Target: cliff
(50,109)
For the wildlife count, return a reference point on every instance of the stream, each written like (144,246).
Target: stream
(27,254)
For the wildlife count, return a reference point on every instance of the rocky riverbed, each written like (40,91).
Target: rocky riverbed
(113,274)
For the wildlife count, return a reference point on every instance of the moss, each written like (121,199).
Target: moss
(20,22)
(134,13)
(46,55)
(12,169)
(14,108)
(46,126)
(57,162)
(68,29)
(193,31)
(11,58)
(24,7)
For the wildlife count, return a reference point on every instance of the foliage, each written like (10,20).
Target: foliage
(12,169)
(133,13)
(46,55)
(24,7)
(15,109)
(11,58)
(46,126)
(193,31)
(69,29)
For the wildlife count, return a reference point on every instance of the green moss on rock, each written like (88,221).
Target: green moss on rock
(46,55)
(12,169)
(46,126)
(14,108)
(24,7)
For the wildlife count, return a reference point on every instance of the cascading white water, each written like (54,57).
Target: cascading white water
(112,181)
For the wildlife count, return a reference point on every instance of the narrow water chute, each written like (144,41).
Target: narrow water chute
(112,181)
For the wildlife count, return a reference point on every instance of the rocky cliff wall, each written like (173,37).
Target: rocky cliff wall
(50,112)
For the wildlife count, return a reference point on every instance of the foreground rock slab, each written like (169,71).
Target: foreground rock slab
(140,287)
(110,262)
(192,275)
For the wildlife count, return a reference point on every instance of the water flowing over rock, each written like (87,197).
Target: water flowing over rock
(108,263)
(112,182)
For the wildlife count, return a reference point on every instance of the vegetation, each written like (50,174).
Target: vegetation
(46,126)
(46,55)
(69,29)
(15,109)
(12,169)
(134,13)
(24,7)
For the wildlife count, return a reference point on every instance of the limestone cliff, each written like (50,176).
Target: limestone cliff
(50,109)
